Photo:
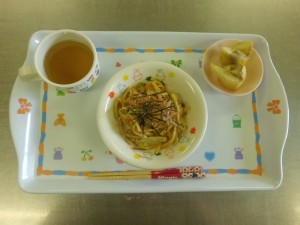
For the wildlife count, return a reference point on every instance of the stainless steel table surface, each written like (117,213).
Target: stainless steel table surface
(277,21)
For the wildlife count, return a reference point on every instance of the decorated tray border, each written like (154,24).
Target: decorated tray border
(27,100)
(42,171)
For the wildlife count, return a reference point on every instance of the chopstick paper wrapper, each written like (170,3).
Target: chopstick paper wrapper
(194,172)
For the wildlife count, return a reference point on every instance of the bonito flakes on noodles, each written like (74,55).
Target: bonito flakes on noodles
(150,117)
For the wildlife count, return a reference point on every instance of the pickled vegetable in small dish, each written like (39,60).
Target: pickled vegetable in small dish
(233,67)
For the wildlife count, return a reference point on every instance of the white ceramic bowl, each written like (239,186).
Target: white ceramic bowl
(178,82)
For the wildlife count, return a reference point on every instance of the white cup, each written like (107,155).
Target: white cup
(37,70)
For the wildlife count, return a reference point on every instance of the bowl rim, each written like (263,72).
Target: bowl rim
(102,110)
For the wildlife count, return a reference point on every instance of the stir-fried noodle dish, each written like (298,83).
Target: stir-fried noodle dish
(150,117)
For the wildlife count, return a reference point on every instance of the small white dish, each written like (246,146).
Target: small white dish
(253,66)
(177,81)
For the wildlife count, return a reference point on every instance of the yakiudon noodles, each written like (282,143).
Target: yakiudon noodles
(150,117)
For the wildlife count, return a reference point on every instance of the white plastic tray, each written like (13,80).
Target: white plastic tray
(58,144)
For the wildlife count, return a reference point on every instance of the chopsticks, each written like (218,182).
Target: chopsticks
(193,172)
